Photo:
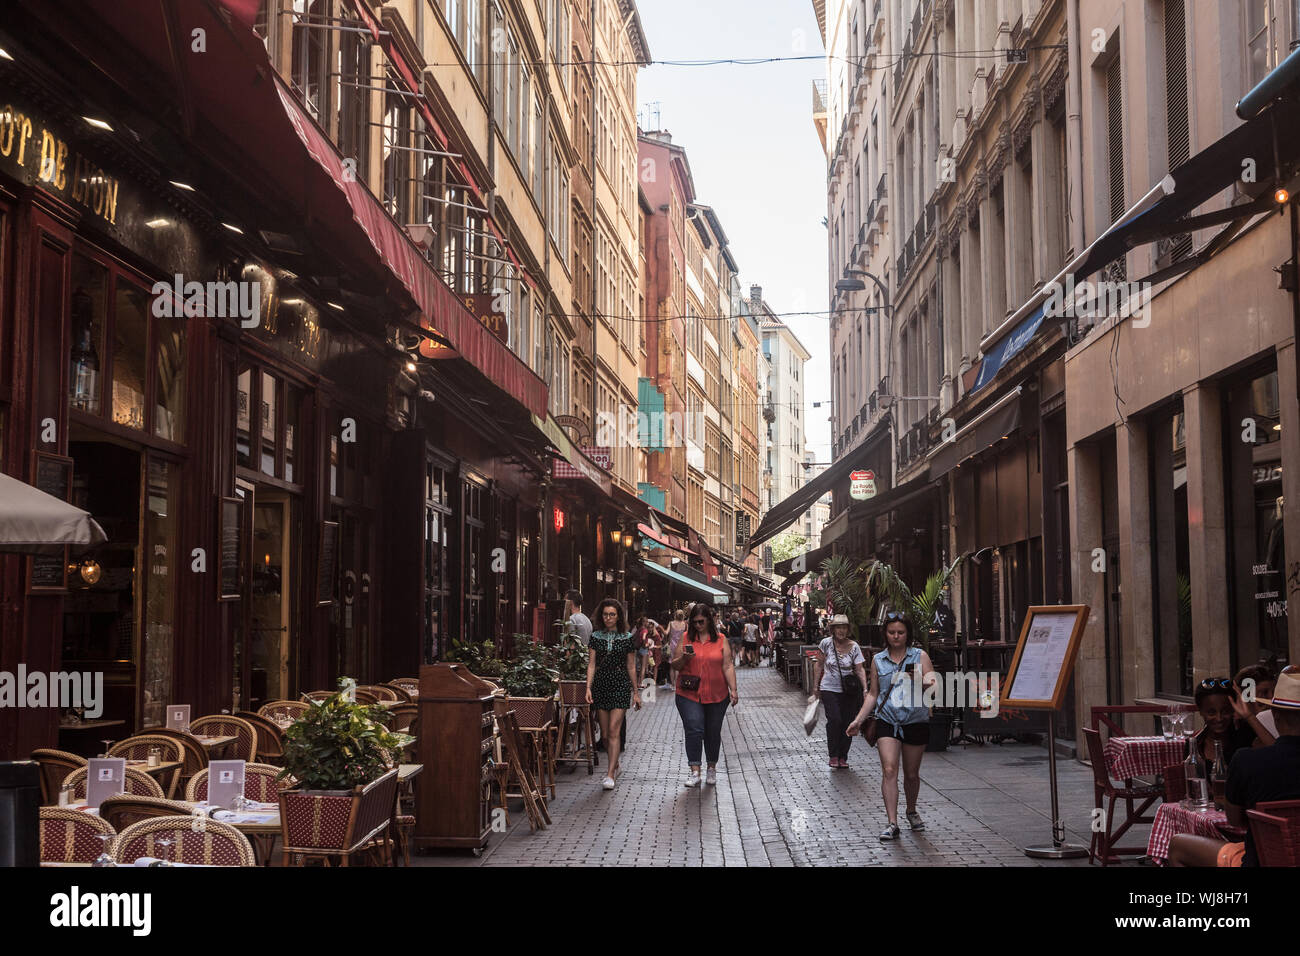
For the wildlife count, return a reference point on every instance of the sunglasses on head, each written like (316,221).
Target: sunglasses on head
(1224,682)
(893,616)
(700,620)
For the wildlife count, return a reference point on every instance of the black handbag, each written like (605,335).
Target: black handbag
(689,682)
(850,686)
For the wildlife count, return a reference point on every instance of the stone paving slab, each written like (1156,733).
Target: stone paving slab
(778,804)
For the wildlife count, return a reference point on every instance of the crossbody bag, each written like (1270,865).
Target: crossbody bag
(689,682)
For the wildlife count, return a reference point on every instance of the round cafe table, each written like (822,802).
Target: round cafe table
(1129,757)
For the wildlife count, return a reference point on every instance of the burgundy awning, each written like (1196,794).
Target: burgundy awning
(240,114)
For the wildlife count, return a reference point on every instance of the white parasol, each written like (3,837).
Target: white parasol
(32,522)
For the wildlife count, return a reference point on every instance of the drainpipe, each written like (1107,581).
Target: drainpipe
(1074,125)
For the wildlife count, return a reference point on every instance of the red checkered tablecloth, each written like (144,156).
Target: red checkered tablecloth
(1128,757)
(1174,818)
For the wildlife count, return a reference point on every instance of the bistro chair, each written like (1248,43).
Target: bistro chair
(1175,778)
(125,809)
(262,783)
(380,692)
(138,747)
(194,755)
(409,684)
(365,697)
(270,739)
(212,844)
(404,691)
(278,710)
(1289,809)
(55,766)
(1277,839)
(335,827)
(319,694)
(1103,843)
(227,725)
(137,782)
(70,836)
(1107,715)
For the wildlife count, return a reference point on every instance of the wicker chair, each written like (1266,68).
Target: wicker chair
(409,684)
(214,844)
(270,739)
(365,697)
(137,783)
(336,826)
(1276,838)
(405,692)
(226,725)
(381,692)
(261,783)
(124,810)
(319,694)
(193,753)
(70,836)
(283,710)
(55,766)
(402,716)
(138,747)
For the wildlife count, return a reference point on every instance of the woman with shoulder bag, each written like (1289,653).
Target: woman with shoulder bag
(898,722)
(839,683)
(706,683)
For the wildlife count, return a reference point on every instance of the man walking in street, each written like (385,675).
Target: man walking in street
(577,623)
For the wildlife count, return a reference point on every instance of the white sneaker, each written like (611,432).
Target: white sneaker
(711,776)
(693,779)
(609,783)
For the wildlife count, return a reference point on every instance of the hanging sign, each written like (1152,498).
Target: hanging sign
(863,485)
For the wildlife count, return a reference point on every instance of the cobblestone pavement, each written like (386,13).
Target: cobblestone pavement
(778,804)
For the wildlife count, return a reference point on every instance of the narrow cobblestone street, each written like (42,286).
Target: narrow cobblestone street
(778,804)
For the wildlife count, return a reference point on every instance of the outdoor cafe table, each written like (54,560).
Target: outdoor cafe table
(1129,757)
(162,768)
(1174,818)
(213,743)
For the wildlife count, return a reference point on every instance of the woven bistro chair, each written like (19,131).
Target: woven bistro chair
(227,725)
(137,748)
(55,766)
(409,684)
(213,844)
(319,694)
(365,697)
(380,692)
(136,782)
(1104,842)
(283,710)
(270,738)
(194,754)
(124,810)
(336,826)
(403,692)
(70,836)
(261,783)
(402,716)
(1276,838)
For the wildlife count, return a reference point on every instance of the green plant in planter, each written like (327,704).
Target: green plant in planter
(338,745)
(572,659)
(531,676)
(480,659)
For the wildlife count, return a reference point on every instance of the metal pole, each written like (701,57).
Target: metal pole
(1059,850)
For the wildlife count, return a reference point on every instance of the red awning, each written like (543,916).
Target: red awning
(258,130)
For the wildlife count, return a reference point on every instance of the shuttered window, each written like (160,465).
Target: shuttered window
(1115,152)
(1176,118)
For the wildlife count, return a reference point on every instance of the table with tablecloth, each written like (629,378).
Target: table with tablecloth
(1175,818)
(1129,757)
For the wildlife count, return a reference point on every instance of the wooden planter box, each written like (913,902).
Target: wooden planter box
(336,823)
(573,693)
(532,711)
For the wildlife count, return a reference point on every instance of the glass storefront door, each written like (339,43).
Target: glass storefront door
(270,599)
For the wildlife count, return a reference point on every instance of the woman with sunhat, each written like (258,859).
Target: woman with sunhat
(839,683)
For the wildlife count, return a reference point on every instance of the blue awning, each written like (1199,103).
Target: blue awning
(711,594)
(1008,346)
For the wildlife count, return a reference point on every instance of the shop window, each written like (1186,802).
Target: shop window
(437,515)
(89,317)
(268,429)
(472,576)
(130,348)
(169,378)
(160,594)
(243,419)
(292,421)
(1252,458)
(1171,566)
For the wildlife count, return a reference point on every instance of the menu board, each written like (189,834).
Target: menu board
(51,474)
(1040,670)
(327,568)
(231,528)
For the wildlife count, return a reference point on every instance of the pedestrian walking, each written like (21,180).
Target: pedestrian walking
(575,622)
(899,675)
(676,628)
(839,682)
(735,636)
(706,683)
(611,680)
(751,640)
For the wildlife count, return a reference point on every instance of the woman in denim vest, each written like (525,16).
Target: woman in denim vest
(894,697)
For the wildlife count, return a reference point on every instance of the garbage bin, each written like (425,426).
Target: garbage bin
(20,813)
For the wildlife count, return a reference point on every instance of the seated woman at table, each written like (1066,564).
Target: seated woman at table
(1216,700)
(1251,713)
(1254,776)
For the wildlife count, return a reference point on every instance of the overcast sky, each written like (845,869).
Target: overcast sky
(754,152)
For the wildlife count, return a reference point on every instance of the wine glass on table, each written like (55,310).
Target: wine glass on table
(107,743)
(166,842)
(103,859)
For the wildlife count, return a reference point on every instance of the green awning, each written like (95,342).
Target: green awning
(710,594)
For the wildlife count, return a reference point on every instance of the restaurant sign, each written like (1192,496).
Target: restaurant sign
(863,485)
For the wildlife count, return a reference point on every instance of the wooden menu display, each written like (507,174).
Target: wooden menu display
(454,799)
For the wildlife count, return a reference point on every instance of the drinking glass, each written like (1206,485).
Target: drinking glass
(103,859)
(166,843)
(1167,726)
(1189,725)
(107,743)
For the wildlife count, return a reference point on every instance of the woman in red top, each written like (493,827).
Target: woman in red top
(706,683)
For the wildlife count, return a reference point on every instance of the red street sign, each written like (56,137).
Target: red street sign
(863,485)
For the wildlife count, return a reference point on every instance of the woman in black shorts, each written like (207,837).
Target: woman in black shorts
(895,697)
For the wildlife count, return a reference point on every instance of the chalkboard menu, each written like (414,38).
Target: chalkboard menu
(327,568)
(51,474)
(231,525)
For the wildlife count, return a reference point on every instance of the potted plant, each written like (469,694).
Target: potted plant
(481,659)
(530,683)
(571,662)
